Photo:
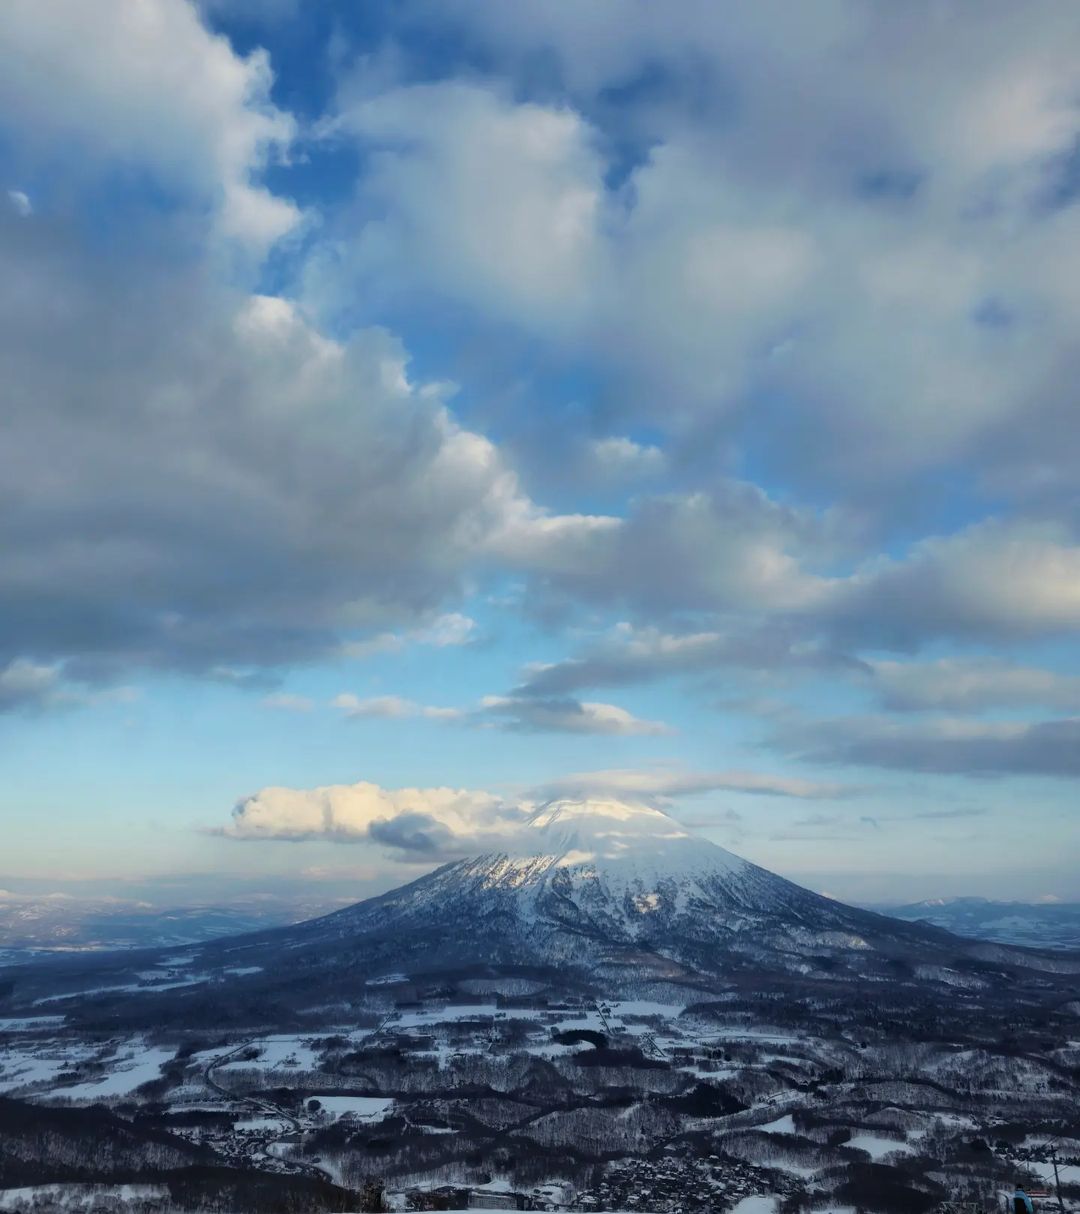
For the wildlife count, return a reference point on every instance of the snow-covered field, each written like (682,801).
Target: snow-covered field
(264,1087)
(287,1050)
(367,1108)
(878,1148)
(22,1024)
(128,1070)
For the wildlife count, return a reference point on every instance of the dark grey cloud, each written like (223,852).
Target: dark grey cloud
(727,548)
(31,687)
(971,685)
(27,685)
(532,714)
(949,747)
(195,479)
(412,832)
(645,654)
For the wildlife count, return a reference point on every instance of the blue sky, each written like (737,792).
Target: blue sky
(415,411)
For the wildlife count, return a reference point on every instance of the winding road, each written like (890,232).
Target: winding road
(267,1108)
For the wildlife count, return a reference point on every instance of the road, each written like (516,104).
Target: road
(266,1108)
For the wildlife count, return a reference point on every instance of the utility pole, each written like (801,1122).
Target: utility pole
(1057,1179)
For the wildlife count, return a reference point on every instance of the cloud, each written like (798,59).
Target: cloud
(642,654)
(20,203)
(664,784)
(413,832)
(993,580)
(735,552)
(619,457)
(529,714)
(971,685)
(200,430)
(948,746)
(148,87)
(431,821)
(730,548)
(434,824)
(888,298)
(449,629)
(526,715)
(27,686)
(391,707)
(518,189)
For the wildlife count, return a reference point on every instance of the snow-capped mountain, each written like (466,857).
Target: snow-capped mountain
(609,884)
(596,895)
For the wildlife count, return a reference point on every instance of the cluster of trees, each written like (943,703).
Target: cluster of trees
(196,1191)
(600,1131)
(42,1143)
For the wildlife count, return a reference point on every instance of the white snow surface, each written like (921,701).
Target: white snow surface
(877,1147)
(137,1065)
(757,1205)
(628,863)
(366,1108)
(1068,1173)
(623,841)
(783,1125)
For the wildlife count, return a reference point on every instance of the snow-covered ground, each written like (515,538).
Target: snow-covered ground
(22,1024)
(762,1064)
(127,1072)
(757,1204)
(783,1125)
(877,1147)
(137,988)
(367,1108)
(1068,1173)
(278,1050)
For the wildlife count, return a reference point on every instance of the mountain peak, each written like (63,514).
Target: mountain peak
(600,830)
(630,817)
(624,841)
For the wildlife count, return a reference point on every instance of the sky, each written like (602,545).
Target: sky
(410,412)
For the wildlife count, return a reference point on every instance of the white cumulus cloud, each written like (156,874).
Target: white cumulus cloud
(146,85)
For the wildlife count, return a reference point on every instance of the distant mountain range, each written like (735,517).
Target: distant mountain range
(60,923)
(1037,925)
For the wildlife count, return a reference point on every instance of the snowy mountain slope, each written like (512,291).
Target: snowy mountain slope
(601,895)
(607,883)
(619,872)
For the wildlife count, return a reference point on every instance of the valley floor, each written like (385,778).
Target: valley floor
(487,1088)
